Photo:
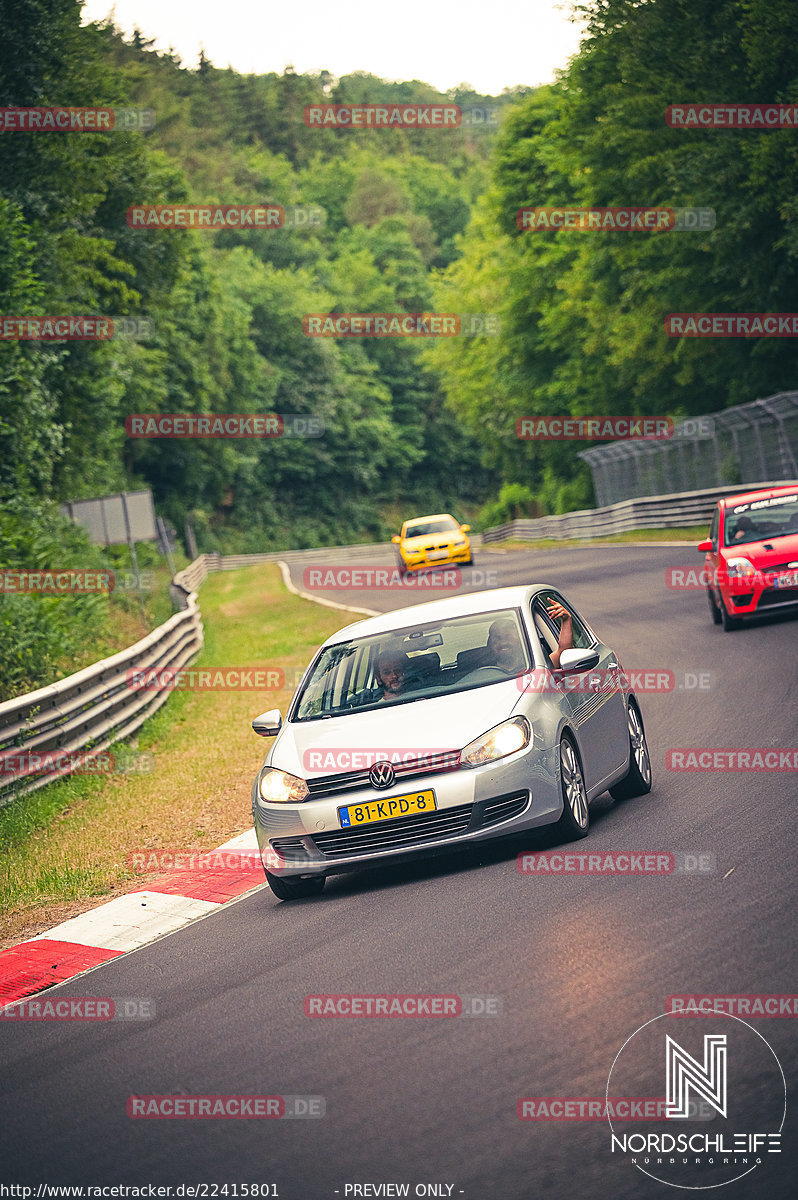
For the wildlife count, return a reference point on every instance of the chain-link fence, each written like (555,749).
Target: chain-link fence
(740,445)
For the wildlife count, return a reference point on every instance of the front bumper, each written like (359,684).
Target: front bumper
(473,805)
(421,560)
(757,594)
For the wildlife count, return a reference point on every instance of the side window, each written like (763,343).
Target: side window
(582,639)
(713,532)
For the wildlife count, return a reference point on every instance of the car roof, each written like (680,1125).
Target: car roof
(434,517)
(760,494)
(472,603)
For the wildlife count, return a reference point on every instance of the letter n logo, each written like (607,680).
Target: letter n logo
(683,1072)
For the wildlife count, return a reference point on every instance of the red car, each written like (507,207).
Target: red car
(752,554)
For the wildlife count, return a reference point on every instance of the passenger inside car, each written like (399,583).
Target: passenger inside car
(504,648)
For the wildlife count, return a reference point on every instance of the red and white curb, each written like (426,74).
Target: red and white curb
(127,922)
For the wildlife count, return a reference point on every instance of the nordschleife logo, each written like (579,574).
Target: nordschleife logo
(725,1101)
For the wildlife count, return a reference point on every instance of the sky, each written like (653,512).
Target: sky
(491,44)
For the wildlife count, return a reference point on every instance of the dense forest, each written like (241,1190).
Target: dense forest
(224,308)
(413,221)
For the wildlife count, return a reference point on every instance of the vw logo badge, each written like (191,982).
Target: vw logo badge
(381,775)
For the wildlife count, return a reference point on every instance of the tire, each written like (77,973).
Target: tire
(730,623)
(638,779)
(295,889)
(575,820)
(717,616)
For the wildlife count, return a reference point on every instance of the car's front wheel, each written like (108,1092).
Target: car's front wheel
(729,622)
(638,779)
(575,820)
(286,888)
(713,608)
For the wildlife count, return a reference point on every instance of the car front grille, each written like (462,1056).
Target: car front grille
(404,832)
(292,849)
(350,781)
(778,596)
(504,808)
(392,835)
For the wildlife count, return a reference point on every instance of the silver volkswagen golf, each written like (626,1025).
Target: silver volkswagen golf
(439,726)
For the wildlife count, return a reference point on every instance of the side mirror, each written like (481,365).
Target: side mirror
(573,661)
(396,540)
(704,547)
(466,528)
(268,724)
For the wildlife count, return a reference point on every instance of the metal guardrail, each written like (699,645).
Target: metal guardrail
(86,712)
(645,512)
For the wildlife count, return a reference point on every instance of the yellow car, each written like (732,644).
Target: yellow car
(432,542)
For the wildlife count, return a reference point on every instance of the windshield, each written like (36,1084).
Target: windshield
(761,520)
(423,528)
(413,664)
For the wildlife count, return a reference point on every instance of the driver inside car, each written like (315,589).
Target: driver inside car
(391,674)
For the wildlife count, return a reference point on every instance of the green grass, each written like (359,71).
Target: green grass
(68,843)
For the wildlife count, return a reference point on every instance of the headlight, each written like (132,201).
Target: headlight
(498,742)
(278,787)
(740,568)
